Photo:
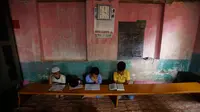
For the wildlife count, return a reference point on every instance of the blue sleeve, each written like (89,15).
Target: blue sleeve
(88,79)
(99,79)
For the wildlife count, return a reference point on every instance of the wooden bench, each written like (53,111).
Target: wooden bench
(134,89)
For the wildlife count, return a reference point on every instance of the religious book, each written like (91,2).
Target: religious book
(77,87)
(92,87)
(57,87)
(117,87)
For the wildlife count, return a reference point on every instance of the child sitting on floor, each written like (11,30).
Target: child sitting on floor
(93,78)
(122,76)
(73,80)
(57,77)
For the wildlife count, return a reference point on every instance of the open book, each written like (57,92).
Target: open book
(57,87)
(92,87)
(77,87)
(118,87)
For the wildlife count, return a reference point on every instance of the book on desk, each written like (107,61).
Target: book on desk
(117,87)
(57,87)
(77,87)
(61,86)
(92,87)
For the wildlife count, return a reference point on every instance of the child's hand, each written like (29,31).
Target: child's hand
(127,82)
(96,82)
(94,78)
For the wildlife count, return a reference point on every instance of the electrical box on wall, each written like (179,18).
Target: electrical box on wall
(104,12)
(104,17)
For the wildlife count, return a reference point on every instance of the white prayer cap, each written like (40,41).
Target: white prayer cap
(55,69)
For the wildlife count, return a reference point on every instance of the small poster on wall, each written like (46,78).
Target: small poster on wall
(104,21)
(103,34)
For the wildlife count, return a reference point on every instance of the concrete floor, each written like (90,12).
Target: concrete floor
(152,103)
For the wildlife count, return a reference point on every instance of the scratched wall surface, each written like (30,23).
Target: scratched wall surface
(179,30)
(100,48)
(151,13)
(27,36)
(63,30)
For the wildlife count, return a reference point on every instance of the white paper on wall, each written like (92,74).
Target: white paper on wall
(104,28)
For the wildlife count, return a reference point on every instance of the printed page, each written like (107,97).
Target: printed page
(92,87)
(120,87)
(77,87)
(113,86)
(56,87)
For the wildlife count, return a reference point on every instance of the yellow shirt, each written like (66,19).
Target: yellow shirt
(121,78)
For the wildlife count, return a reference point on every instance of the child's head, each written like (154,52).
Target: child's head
(56,72)
(94,72)
(73,81)
(121,66)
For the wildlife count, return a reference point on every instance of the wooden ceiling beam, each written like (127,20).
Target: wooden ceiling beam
(141,1)
(155,1)
(61,0)
(125,1)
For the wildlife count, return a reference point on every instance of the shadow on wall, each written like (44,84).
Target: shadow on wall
(195,63)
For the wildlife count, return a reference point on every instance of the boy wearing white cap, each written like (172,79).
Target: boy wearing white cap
(56,77)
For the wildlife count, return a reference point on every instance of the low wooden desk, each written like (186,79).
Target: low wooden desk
(134,89)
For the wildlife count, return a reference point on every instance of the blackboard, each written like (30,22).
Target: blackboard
(131,39)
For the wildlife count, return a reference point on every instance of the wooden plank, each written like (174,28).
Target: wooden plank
(154,1)
(141,1)
(124,1)
(134,89)
(61,0)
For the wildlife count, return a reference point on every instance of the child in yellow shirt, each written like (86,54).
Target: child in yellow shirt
(122,76)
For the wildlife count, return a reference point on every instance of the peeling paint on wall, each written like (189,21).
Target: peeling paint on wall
(37,71)
(63,30)
(179,30)
(27,36)
(174,41)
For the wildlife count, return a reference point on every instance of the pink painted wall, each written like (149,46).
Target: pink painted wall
(151,13)
(27,36)
(35,19)
(63,30)
(179,30)
(100,49)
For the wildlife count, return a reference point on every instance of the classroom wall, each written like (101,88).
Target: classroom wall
(179,30)
(28,38)
(63,30)
(100,48)
(195,60)
(152,14)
